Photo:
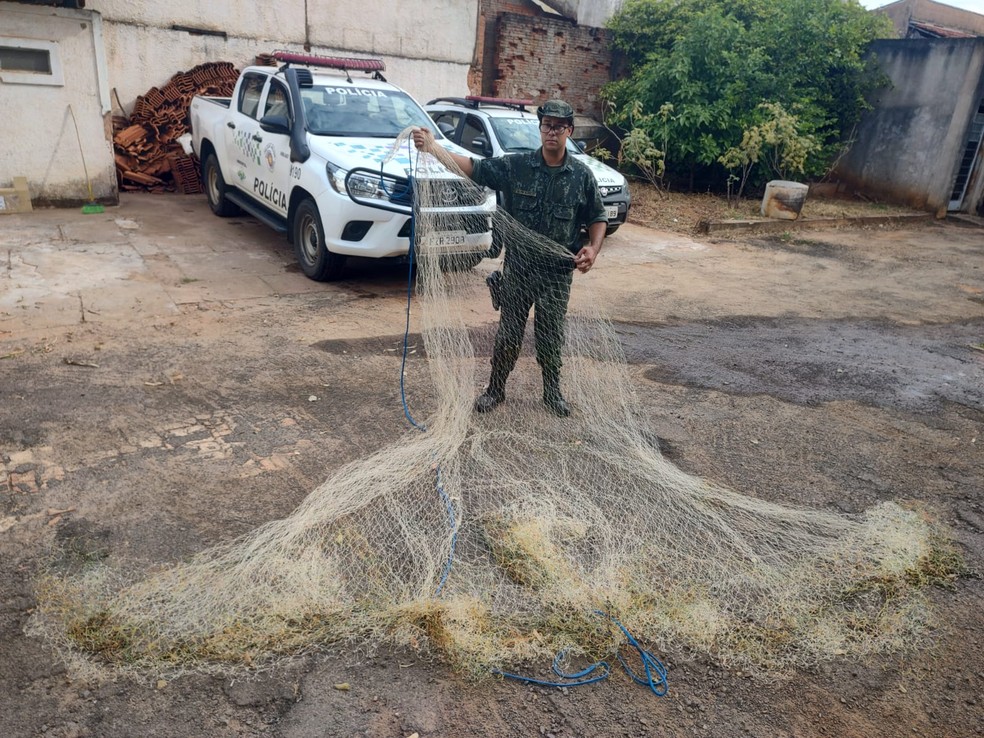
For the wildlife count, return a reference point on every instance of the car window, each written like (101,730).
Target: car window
(447,120)
(360,111)
(277,101)
(517,134)
(249,93)
(474,128)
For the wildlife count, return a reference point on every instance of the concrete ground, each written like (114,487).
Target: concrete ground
(170,380)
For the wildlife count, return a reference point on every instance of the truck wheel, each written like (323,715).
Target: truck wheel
(316,261)
(215,189)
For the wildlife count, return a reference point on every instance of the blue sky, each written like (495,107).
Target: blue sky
(976,5)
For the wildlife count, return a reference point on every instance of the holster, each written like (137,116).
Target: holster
(494,281)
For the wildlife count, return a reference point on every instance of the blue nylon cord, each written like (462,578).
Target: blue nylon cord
(406,330)
(439,481)
(653,666)
(563,675)
(454,533)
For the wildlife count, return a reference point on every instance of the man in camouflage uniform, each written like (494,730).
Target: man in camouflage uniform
(550,193)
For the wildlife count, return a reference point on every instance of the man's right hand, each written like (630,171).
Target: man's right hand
(423,139)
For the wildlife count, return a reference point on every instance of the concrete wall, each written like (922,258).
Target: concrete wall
(116,50)
(929,11)
(37,135)
(587,12)
(908,148)
(428,47)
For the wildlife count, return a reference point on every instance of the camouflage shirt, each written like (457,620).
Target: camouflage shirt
(553,201)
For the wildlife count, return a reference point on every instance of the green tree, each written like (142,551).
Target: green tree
(717,61)
(777,143)
(638,148)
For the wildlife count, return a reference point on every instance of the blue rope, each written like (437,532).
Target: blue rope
(406,330)
(650,663)
(653,666)
(454,533)
(439,481)
(578,675)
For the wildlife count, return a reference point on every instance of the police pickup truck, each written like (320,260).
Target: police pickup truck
(308,151)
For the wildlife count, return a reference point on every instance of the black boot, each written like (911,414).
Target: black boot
(552,398)
(495,393)
(489,399)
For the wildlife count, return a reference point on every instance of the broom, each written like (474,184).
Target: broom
(92,206)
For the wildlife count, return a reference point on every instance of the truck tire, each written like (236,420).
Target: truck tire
(316,261)
(215,189)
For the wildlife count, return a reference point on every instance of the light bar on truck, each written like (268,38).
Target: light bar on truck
(332,62)
(497,100)
(504,101)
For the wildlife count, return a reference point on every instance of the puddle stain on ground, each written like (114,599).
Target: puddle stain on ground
(806,362)
(815,361)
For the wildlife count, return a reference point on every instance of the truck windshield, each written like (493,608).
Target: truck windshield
(360,111)
(521,134)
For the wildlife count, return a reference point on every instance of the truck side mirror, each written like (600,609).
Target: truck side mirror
(275,124)
(481,145)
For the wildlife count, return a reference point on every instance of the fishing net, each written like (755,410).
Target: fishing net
(497,538)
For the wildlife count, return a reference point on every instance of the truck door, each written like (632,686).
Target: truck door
(475,137)
(242,147)
(271,178)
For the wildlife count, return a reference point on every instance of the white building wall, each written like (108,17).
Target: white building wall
(116,50)
(597,12)
(427,46)
(37,134)
(593,13)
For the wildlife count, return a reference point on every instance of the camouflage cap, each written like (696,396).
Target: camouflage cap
(555,109)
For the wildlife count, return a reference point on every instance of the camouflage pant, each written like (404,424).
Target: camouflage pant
(548,294)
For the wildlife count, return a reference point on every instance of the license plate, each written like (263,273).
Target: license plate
(611,212)
(445,240)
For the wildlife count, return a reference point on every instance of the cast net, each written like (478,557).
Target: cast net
(496,538)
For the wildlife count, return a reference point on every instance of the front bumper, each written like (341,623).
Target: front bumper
(357,229)
(617,210)
(617,202)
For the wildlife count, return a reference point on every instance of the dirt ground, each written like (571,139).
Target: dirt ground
(169,380)
(680,212)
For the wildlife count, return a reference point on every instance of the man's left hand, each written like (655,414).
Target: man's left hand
(585,258)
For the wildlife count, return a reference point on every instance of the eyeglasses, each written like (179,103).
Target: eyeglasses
(547,128)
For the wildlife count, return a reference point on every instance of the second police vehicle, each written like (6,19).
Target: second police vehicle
(489,126)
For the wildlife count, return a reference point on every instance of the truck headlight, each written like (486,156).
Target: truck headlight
(336,178)
(363,185)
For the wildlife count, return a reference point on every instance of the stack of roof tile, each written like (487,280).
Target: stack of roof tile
(148,155)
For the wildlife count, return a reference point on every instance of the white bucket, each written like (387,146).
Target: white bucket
(784,200)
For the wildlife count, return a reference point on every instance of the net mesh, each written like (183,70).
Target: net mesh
(495,538)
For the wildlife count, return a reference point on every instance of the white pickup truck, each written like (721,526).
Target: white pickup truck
(304,149)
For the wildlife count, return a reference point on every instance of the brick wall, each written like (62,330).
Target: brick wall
(481,79)
(542,57)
